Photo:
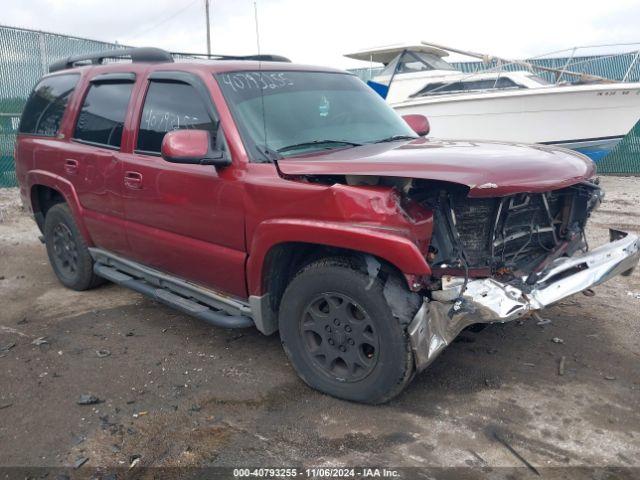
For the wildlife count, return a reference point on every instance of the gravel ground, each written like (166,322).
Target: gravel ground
(177,392)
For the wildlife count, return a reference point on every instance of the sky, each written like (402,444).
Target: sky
(320,32)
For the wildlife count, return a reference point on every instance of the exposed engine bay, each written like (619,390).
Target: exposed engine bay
(508,237)
(495,259)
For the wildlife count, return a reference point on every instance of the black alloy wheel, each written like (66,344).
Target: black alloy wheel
(339,337)
(65,250)
(68,252)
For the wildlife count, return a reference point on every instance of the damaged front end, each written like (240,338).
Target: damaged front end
(498,259)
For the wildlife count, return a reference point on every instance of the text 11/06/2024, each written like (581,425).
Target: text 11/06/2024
(320,472)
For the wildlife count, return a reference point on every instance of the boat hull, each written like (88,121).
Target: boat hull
(591,119)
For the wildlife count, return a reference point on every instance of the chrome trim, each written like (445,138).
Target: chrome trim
(487,300)
(160,279)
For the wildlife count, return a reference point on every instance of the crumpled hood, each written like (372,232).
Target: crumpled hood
(489,169)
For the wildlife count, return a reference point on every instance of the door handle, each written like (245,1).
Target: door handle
(71,166)
(133,180)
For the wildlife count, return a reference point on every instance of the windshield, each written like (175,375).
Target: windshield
(539,80)
(307,111)
(411,62)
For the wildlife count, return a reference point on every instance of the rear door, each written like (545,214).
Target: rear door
(92,158)
(186,220)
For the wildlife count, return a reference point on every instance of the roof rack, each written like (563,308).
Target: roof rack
(152,55)
(213,56)
(142,54)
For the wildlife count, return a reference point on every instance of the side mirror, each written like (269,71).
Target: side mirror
(418,123)
(191,147)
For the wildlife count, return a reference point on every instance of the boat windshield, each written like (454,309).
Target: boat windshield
(460,86)
(539,80)
(411,62)
(294,112)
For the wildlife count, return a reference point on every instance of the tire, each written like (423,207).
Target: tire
(68,253)
(376,360)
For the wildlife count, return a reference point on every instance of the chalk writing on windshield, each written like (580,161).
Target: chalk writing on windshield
(239,81)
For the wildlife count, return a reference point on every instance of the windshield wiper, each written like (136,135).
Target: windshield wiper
(318,142)
(269,154)
(393,138)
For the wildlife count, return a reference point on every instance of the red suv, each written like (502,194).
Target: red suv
(248,191)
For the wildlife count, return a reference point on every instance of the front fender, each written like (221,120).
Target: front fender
(392,247)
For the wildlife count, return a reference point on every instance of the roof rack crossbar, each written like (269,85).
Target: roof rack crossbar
(142,54)
(214,56)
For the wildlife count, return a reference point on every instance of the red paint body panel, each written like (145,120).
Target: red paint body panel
(367,219)
(216,227)
(418,123)
(185,144)
(489,169)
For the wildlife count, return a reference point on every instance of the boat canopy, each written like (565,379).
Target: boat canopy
(387,53)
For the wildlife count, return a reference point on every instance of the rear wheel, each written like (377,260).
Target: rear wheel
(67,250)
(341,336)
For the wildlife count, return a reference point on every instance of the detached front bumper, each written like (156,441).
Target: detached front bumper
(440,320)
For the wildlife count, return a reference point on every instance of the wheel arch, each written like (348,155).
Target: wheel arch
(282,249)
(272,237)
(46,190)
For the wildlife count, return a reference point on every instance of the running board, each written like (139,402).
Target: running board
(191,299)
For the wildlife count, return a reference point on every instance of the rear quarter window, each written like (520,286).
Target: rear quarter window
(44,109)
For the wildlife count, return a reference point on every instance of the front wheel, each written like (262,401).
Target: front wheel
(341,336)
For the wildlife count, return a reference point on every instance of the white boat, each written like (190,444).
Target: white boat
(591,116)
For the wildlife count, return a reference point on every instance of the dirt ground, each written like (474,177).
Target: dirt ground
(176,392)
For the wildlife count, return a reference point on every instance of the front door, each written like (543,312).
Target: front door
(186,220)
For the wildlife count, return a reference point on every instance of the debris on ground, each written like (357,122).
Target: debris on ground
(609,377)
(88,400)
(6,405)
(134,460)
(140,414)
(40,341)
(6,348)
(540,321)
(478,457)
(80,461)
(513,451)
(635,295)
(103,353)
(557,340)
(563,359)
(12,330)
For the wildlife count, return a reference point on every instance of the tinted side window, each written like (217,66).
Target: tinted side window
(102,115)
(45,107)
(170,106)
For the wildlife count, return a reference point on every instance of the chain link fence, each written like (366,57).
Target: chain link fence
(25,55)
